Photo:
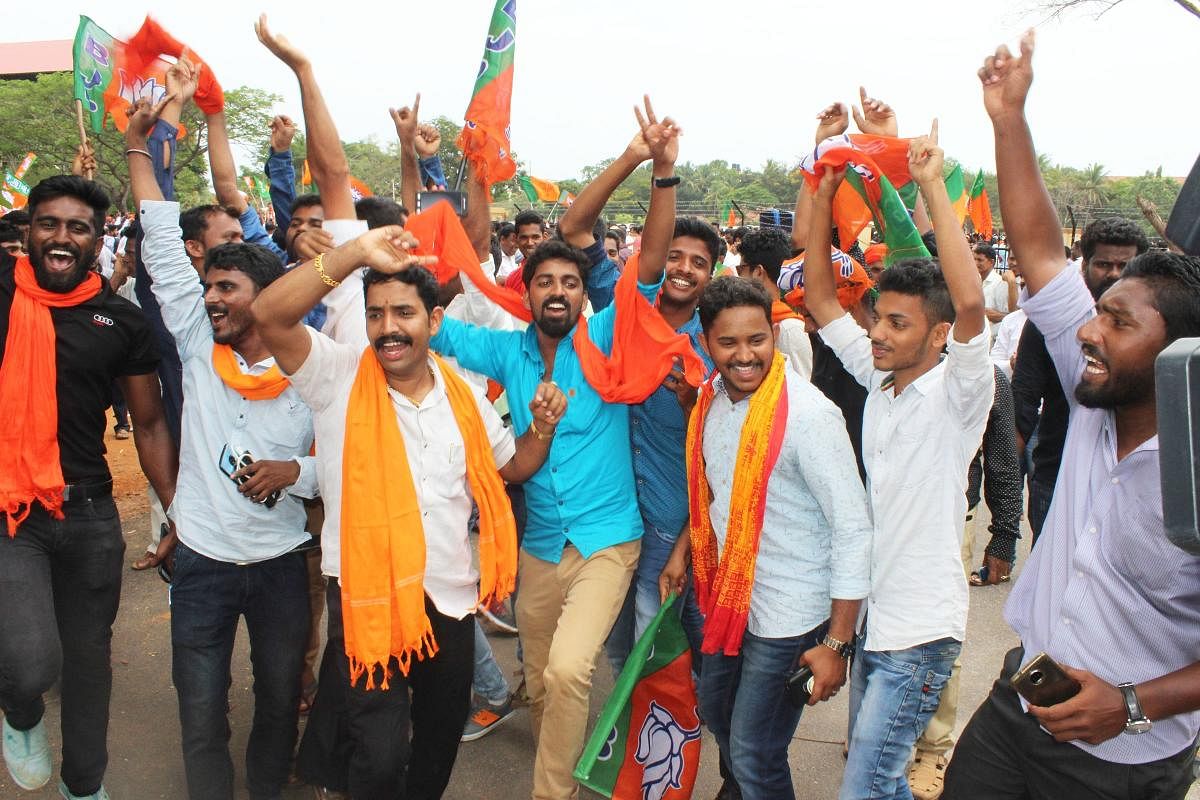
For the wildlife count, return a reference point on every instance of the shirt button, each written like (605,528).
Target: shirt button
(1078,573)
(554,469)
(1091,530)
(560,502)
(566,530)
(1116,480)
(1066,621)
(637,451)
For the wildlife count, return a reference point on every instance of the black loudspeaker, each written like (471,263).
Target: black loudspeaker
(1183,228)
(1177,389)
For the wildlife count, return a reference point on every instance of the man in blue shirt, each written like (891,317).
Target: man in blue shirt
(583,531)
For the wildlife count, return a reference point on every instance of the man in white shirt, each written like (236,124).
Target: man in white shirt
(922,424)
(238,506)
(401,317)
(762,256)
(999,288)
(510,256)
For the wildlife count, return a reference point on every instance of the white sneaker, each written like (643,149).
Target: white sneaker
(99,794)
(27,755)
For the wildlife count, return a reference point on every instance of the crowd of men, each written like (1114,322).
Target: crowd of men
(579,421)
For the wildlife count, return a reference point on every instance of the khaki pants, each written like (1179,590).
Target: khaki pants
(565,612)
(938,737)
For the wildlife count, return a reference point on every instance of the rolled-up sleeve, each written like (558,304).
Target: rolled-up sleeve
(852,346)
(1059,310)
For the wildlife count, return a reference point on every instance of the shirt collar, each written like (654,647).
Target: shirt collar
(436,395)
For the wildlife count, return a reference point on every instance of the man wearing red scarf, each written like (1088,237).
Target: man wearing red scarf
(65,337)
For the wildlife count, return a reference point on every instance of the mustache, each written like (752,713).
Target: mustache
(1094,352)
(70,248)
(392,338)
(215,308)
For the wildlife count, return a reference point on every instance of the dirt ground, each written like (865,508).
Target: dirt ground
(129,484)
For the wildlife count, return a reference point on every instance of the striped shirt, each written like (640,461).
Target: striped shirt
(1105,590)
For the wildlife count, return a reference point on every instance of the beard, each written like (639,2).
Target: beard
(556,328)
(1119,391)
(1099,288)
(62,282)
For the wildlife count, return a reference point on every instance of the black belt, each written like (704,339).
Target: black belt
(83,492)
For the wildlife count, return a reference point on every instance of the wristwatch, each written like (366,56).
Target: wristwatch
(1137,722)
(843,649)
(667,183)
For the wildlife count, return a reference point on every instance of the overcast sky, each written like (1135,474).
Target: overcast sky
(743,79)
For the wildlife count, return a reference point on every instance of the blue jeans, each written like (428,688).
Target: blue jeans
(207,598)
(488,680)
(893,693)
(642,602)
(743,702)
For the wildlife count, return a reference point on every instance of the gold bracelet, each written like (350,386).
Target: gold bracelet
(541,436)
(328,281)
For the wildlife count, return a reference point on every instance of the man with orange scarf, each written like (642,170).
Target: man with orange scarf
(66,337)
(405,446)
(245,473)
(778,540)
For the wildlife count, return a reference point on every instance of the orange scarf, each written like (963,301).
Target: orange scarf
(266,386)
(645,347)
(29,456)
(781,311)
(383,541)
(723,586)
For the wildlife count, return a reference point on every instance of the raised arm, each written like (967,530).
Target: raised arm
(280,308)
(142,181)
(925,161)
(577,224)
(281,172)
(662,140)
(1032,223)
(833,120)
(406,121)
(478,222)
(326,158)
(820,289)
(220,160)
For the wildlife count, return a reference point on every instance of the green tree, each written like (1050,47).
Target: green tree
(39,115)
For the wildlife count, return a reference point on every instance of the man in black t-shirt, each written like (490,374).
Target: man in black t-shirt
(60,565)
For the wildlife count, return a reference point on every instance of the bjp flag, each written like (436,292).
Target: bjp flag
(486,138)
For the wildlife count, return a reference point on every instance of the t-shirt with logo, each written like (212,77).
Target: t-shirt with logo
(95,342)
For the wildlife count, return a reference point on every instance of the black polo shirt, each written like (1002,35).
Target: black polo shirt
(95,342)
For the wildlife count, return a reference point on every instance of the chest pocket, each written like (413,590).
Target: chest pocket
(286,426)
(448,470)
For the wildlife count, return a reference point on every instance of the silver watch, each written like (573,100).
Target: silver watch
(1137,721)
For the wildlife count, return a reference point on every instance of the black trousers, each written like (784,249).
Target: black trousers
(1003,754)
(359,741)
(60,585)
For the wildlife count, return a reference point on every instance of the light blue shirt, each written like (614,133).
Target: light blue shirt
(816,534)
(213,518)
(1105,590)
(584,493)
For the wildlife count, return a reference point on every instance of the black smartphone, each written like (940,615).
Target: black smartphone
(1043,682)
(231,460)
(799,686)
(457,200)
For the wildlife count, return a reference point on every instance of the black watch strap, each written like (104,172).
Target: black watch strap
(667,183)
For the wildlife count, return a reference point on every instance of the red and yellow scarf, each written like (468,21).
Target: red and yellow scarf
(723,586)
(383,541)
(266,386)
(645,347)
(29,457)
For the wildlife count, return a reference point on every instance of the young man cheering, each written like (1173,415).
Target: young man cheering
(922,424)
(404,447)
(779,539)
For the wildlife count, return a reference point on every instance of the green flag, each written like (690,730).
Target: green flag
(891,217)
(958,192)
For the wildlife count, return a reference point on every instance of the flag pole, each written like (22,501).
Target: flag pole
(83,140)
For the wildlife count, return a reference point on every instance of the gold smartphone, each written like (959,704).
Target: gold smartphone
(1043,682)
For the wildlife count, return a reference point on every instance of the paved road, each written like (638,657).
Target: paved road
(145,760)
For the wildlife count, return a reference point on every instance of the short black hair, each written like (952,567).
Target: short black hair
(529,217)
(379,211)
(18,217)
(419,278)
(767,248)
(194,221)
(697,228)
(920,277)
(90,193)
(1174,280)
(555,248)
(930,241)
(304,201)
(1115,231)
(729,291)
(616,237)
(10,232)
(986,250)
(506,229)
(260,264)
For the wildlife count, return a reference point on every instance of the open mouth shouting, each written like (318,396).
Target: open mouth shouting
(681,283)
(393,347)
(60,259)
(1095,367)
(217,316)
(555,308)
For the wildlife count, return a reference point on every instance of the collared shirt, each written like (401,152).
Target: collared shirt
(1008,336)
(1105,590)
(213,518)
(658,431)
(995,292)
(584,493)
(917,447)
(437,462)
(816,535)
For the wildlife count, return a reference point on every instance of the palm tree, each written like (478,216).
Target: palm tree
(1093,186)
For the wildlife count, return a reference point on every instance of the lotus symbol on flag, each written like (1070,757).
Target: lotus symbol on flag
(148,88)
(660,751)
